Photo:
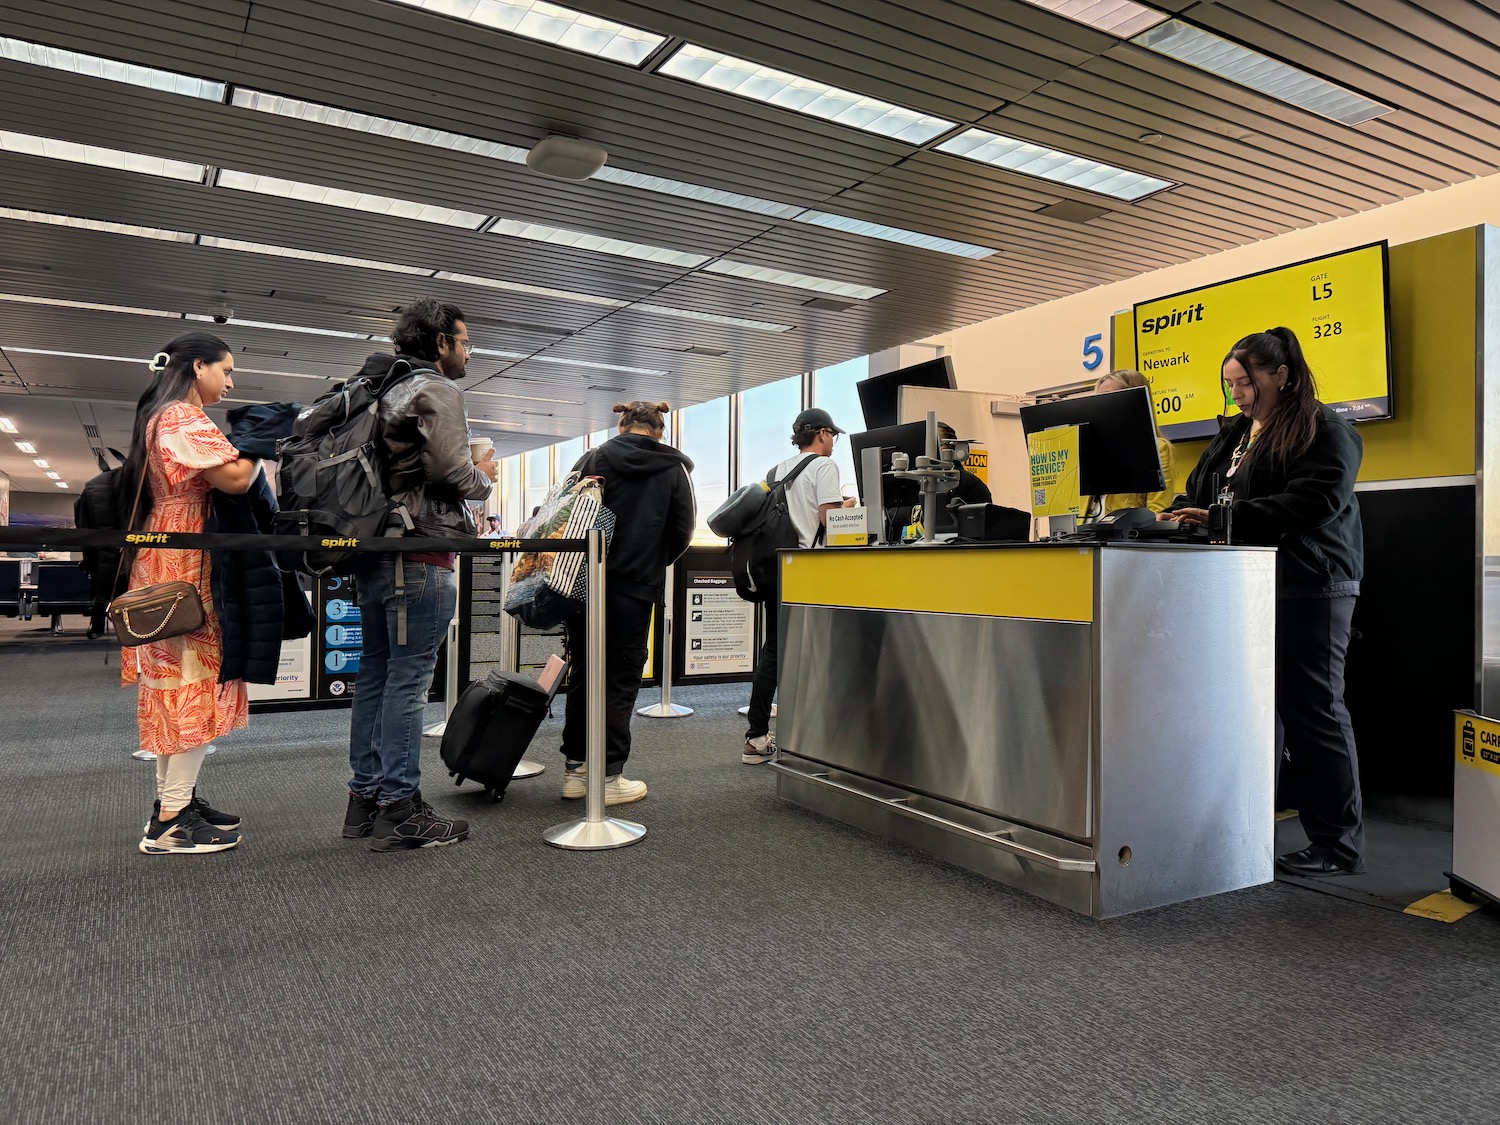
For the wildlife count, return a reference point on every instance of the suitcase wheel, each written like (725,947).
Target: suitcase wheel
(494,795)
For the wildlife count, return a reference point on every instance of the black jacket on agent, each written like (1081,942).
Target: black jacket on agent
(646,485)
(1305,508)
(426,441)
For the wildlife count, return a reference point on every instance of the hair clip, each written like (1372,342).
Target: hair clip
(159,362)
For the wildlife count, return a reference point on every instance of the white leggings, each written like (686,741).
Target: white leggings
(176,775)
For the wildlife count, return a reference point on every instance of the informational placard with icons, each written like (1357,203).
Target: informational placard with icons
(339,637)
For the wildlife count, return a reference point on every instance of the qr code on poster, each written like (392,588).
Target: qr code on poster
(1038,497)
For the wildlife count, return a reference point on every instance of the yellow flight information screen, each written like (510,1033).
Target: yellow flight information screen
(1337,305)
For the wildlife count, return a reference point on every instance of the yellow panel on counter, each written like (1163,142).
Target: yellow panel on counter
(1045,583)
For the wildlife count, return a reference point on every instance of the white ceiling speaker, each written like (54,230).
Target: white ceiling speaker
(565,158)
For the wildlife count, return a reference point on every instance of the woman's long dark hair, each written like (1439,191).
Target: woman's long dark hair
(174,380)
(1289,432)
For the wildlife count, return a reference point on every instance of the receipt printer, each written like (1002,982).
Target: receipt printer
(992,523)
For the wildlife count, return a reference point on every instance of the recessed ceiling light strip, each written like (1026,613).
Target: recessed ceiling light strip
(526,398)
(552,23)
(597,366)
(93,66)
(350,200)
(1050,164)
(712,318)
(1258,72)
(310,256)
(896,234)
(75,355)
(534,290)
(804,95)
(794,280)
(1118,17)
(599,244)
(95,225)
(238,323)
(57,302)
(97,156)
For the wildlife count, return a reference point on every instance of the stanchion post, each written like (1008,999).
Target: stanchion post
(596,831)
(510,660)
(666,709)
(451,685)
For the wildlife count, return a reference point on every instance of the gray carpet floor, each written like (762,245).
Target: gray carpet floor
(746,962)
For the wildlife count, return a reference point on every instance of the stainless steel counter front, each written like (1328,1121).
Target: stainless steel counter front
(1112,753)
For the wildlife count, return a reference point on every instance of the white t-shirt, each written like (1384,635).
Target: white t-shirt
(816,485)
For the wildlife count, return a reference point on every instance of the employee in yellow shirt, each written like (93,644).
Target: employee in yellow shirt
(1156,501)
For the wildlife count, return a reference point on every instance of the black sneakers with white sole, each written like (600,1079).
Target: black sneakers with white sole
(187,833)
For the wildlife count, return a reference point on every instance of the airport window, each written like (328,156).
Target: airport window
(510,485)
(834,390)
(766,416)
(567,454)
(538,478)
(704,437)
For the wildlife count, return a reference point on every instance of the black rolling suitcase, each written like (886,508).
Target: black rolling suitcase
(490,728)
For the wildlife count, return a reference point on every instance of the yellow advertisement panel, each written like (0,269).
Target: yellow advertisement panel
(1476,742)
(1054,471)
(1335,304)
(978,463)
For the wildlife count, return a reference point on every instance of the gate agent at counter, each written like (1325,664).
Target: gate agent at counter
(1282,474)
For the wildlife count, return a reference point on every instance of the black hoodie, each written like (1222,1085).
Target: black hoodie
(646,485)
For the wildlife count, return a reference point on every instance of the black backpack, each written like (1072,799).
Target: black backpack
(752,553)
(102,507)
(331,484)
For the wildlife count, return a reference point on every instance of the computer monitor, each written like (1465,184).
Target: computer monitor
(900,496)
(1116,442)
(879,395)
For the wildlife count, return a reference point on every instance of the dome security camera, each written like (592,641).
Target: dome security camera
(221,312)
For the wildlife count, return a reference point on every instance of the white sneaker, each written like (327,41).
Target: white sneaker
(618,790)
(143,756)
(759,751)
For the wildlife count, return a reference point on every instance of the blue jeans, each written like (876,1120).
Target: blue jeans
(390,694)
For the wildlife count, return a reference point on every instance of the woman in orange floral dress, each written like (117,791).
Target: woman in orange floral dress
(182,707)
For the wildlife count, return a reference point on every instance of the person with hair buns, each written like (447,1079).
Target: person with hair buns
(177,457)
(647,486)
(1285,469)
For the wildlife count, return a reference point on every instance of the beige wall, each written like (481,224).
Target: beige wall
(1043,346)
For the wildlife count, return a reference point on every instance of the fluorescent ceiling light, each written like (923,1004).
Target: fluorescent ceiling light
(1118,17)
(78,355)
(895,234)
(663,186)
(8,427)
(535,290)
(320,114)
(794,280)
(527,398)
(57,302)
(238,323)
(95,224)
(492,422)
(40,463)
(1255,71)
(598,366)
(309,255)
(502,355)
(352,200)
(54,476)
(1049,164)
(713,318)
(75,62)
(790,91)
(538,232)
(99,157)
(285,374)
(550,23)
(25,447)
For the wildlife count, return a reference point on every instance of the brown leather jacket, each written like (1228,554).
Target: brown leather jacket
(427,448)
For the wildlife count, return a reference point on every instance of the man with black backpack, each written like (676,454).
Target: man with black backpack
(810,481)
(407,600)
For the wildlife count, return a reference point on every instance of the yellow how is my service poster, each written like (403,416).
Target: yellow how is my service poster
(1335,304)
(1054,471)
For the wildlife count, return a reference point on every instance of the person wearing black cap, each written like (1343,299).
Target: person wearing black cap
(810,497)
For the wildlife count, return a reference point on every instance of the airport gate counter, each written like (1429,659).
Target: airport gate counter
(1092,723)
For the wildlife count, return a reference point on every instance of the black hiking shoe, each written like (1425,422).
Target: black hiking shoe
(359,818)
(412,823)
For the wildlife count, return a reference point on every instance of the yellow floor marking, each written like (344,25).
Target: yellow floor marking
(1443,907)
